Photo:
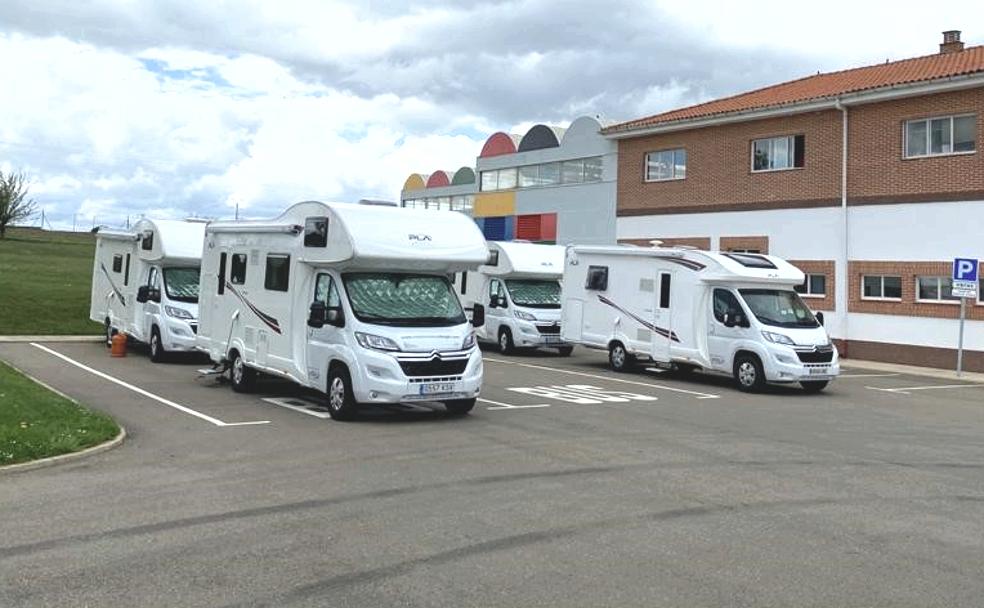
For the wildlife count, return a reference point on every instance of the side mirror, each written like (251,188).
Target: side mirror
(501,302)
(143,293)
(316,316)
(478,316)
(819,317)
(154,295)
(729,320)
(335,317)
(740,320)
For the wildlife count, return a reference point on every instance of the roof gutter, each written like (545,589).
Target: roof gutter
(952,83)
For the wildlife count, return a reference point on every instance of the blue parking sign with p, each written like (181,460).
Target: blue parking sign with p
(965,269)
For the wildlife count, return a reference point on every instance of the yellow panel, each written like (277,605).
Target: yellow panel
(414,182)
(494,204)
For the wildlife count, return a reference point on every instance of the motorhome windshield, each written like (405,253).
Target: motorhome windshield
(388,298)
(181,284)
(778,307)
(535,293)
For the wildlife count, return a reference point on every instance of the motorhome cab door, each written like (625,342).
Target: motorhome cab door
(728,323)
(496,312)
(151,308)
(662,317)
(324,342)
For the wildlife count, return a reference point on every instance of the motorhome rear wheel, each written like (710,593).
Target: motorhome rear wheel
(620,359)
(243,377)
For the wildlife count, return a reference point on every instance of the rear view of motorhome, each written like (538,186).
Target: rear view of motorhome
(729,313)
(145,284)
(519,290)
(351,300)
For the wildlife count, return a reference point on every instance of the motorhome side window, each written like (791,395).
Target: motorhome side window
(147,243)
(725,302)
(316,232)
(664,290)
(326,291)
(126,271)
(493,258)
(464,282)
(117,263)
(237,274)
(597,278)
(222,267)
(277,272)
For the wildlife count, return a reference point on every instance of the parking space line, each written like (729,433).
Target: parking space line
(498,405)
(867,376)
(905,390)
(300,405)
(148,394)
(697,394)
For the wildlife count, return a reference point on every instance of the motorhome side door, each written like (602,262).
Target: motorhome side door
(728,324)
(662,317)
(324,343)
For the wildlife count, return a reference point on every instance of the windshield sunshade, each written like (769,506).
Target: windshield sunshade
(181,284)
(534,293)
(402,299)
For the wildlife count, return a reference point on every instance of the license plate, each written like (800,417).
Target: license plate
(552,339)
(435,388)
(819,372)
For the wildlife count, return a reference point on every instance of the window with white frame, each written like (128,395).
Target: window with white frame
(778,153)
(665,165)
(935,289)
(940,136)
(980,291)
(881,287)
(814,285)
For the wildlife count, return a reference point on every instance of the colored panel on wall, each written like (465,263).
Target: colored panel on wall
(494,228)
(464,175)
(540,137)
(439,179)
(528,227)
(548,227)
(480,222)
(494,204)
(498,144)
(414,182)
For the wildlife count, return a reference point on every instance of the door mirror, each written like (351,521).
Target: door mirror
(478,316)
(501,302)
(729,320)
(154,295)
(143,293)
(740,320)
(316,315)
(819,317)
(335,317)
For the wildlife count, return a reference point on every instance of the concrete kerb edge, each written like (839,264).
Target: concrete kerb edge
(62,458)
(19,339)
(927,372)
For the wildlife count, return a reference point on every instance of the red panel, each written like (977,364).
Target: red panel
(498,144)
(548,227)
(528,227)
(438,179)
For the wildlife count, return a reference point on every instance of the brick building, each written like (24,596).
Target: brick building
(870,179)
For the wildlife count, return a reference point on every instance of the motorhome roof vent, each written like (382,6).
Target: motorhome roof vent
(750,260)
(656,243)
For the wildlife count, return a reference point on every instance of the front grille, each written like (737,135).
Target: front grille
(434,367)
(823,355)
(549,329)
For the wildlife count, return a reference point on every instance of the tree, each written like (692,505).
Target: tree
(14,204)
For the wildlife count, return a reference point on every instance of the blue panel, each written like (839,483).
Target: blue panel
(509,233)
(495,228)
(480,222)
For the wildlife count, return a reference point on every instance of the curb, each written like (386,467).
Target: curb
(63,458)
(914,370)
(18,339)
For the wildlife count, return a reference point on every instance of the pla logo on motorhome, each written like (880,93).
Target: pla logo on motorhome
(419,238)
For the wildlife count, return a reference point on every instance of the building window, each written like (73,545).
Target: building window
(549,174)
(940,136)
(980,291)
(277,272)
(237,274)
(778,153)
(529,176)
(666,165)
(592,169)
(575,171)
(572,172)
(935,289)
(881,287)
(814,285)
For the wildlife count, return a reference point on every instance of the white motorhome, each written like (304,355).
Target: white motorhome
(354,301)
(145,283)
(729,313)
(519,289)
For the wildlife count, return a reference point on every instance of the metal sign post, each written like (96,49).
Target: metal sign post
(965,285)
(963,318)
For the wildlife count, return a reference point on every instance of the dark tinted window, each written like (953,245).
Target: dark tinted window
(493,258)
(664,291)
(316,232)
(597,278)
(464,282)
(148,241)
(237,274)
(277,272)
(725,302)
(126,271)
(118,263)
(222,266)
(750,260)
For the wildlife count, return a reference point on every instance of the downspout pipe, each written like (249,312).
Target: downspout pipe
(843,280)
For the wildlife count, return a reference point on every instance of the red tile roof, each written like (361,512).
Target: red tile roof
(821,86)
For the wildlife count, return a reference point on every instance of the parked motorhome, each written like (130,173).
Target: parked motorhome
(352,300)
(519,288)
(729,313)
(145,283)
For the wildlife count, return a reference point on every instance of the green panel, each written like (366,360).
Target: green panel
(464,175)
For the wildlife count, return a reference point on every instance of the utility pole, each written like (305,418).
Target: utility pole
(237,211)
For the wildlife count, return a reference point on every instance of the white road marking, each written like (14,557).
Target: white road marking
(581,394)
(148,394)
(697,394)
(905,390)
(300,405)
(508,406)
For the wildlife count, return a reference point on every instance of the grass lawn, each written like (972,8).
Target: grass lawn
(36,423)
(45,280)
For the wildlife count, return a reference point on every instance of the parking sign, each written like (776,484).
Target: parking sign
(965,275)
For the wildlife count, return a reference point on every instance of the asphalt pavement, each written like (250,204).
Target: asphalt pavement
(568,485)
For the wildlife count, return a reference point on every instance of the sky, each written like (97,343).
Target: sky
(175,108)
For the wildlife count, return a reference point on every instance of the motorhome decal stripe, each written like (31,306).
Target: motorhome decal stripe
(691,264)
(271,322)
(119,294)
(650,326)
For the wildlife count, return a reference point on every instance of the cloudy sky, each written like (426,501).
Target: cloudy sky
(172,108)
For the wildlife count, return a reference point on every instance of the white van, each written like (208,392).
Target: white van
(145,283)
(519,288)
(729,313)
(352,300)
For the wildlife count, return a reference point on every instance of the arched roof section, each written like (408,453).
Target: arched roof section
(464,175)
(497,144)
(438,179)
(583,128)
(540,137)
(416,181)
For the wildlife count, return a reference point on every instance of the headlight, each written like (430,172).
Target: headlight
(778,338)
(375,342)
(469,341)
(523,315)
(178,313)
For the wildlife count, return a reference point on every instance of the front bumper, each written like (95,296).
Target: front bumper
(180,335)
(383,380)
(535,334)
(784,365)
